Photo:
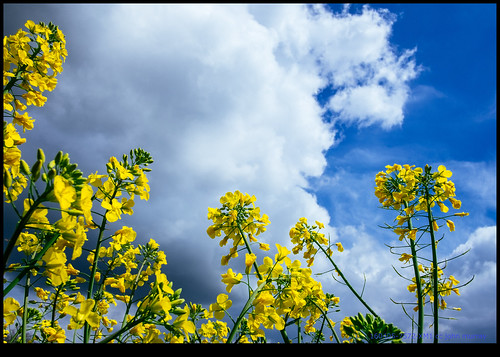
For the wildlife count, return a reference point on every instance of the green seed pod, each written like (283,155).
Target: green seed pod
(40,155)
(35,170)
(25,169)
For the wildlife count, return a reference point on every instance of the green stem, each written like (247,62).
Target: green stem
(244,311)
(25,313)
(22,224)
(249,249)
(344,278)
(325,317)
(420,298)
(90,292)
(32,264)
(434,269)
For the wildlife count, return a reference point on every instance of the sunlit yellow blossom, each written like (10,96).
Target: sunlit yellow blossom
(184,324)
(218,308)
(23,120)
(249,260)
(231,279)
(55,260)
(282,253)
(82,315)
(405,257)
(64,192)
(453,280)
(264,246)
(11,309)
(55,334)
(450,225)
(114,211)
(86,202)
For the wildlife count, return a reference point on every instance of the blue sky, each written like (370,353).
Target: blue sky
(226,98)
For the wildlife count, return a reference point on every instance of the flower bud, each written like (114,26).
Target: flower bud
(178,311)
(25,169)
(75,212)
(71,167)
(58,157)
(7,178)
(35,170)
(40,155)
(177,292)
(64,160)
(177,302)
(51,174)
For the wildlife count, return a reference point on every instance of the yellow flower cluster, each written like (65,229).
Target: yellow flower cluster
(237,216)
(411,189)
(286,291)
(304,235)
(31,61)
(445,286)
(417,193)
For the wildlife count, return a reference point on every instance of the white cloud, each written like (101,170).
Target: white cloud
(223,98)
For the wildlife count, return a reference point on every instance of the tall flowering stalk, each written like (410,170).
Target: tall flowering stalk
(285,293)
(416,193)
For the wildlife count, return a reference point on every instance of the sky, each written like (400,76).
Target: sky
(298,105)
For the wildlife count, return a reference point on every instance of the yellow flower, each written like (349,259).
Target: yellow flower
(405,257)
(453,280)
(231,279)
(11,309)
(82,315)
(443,174)
(264,246)
(183,323)
(86,203)
(123,236)
(249,260)
(114,211)
(442,206)
(55,334)
(264,298)
(23,120)
(55,260)
(219,308)
(282,253)
(450,225)
(64,192)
